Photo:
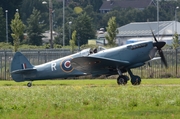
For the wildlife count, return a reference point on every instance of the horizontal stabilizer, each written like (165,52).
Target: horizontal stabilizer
(22,71)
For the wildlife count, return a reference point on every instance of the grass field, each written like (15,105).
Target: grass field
(90,99)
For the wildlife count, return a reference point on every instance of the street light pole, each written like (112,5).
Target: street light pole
(176,33)
(50,22)
(176,18)
(70,29)
(158,17)
(6,26)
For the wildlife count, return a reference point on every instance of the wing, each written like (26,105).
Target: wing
(93,64)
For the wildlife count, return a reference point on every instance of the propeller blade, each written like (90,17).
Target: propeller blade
(159,45)
(154,36)
(163,58)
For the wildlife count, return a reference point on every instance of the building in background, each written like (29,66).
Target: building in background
(46,37)
(141,31)
(124,4)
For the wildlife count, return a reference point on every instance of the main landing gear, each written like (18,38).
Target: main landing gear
(123,79)
(135,80)
(29,84)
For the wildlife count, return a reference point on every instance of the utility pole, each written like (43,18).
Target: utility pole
(63,23)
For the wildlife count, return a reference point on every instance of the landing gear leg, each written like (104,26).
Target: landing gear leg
(135,80)
(122,79)
(29,84)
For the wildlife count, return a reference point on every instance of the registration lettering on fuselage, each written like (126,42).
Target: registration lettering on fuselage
(53,66)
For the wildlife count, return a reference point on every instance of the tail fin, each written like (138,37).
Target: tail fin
(19,66)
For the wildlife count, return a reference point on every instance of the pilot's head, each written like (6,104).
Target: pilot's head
(95,50)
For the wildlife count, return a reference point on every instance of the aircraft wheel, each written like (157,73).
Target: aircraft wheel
(136,80)
(122,80)
(29,84)
(126,77)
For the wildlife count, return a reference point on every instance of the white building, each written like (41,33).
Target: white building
(138,31)
(47,36)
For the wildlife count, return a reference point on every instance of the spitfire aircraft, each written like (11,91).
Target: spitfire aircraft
(120,59)
(107,62)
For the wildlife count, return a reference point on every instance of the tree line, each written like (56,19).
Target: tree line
(84,16)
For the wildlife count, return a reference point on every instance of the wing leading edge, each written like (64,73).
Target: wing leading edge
(92,64)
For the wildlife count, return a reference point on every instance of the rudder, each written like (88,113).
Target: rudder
(19,64)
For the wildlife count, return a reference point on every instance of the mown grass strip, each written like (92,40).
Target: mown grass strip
(90,82)
(90,99)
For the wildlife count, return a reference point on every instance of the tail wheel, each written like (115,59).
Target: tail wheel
(29,84)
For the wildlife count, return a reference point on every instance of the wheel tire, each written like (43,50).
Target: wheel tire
(122,80)
(29,84)
(136,80)
(127,78)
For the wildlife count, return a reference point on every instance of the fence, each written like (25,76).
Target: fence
(155,70)
(34,56)
(158,70)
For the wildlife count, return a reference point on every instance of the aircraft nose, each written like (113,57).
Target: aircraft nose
(159,44)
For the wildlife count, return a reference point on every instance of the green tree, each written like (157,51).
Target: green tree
(149,14)
(35,28)
(11,6)
(111,31)
(17,28)
(83,3)
(119,17)
(84,28)
(28,6)
(96,4)
(2,27)
(73,41)
(175,42)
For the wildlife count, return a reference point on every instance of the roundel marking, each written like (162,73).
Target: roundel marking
(66,65)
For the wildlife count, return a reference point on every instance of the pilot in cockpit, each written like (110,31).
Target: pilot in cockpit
(95,50)
(91,52)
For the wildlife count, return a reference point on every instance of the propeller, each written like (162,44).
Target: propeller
(159,45)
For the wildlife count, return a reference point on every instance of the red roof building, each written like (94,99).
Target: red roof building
(139,4)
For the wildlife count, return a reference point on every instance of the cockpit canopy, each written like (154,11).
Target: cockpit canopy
(89,51)
(85,52)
